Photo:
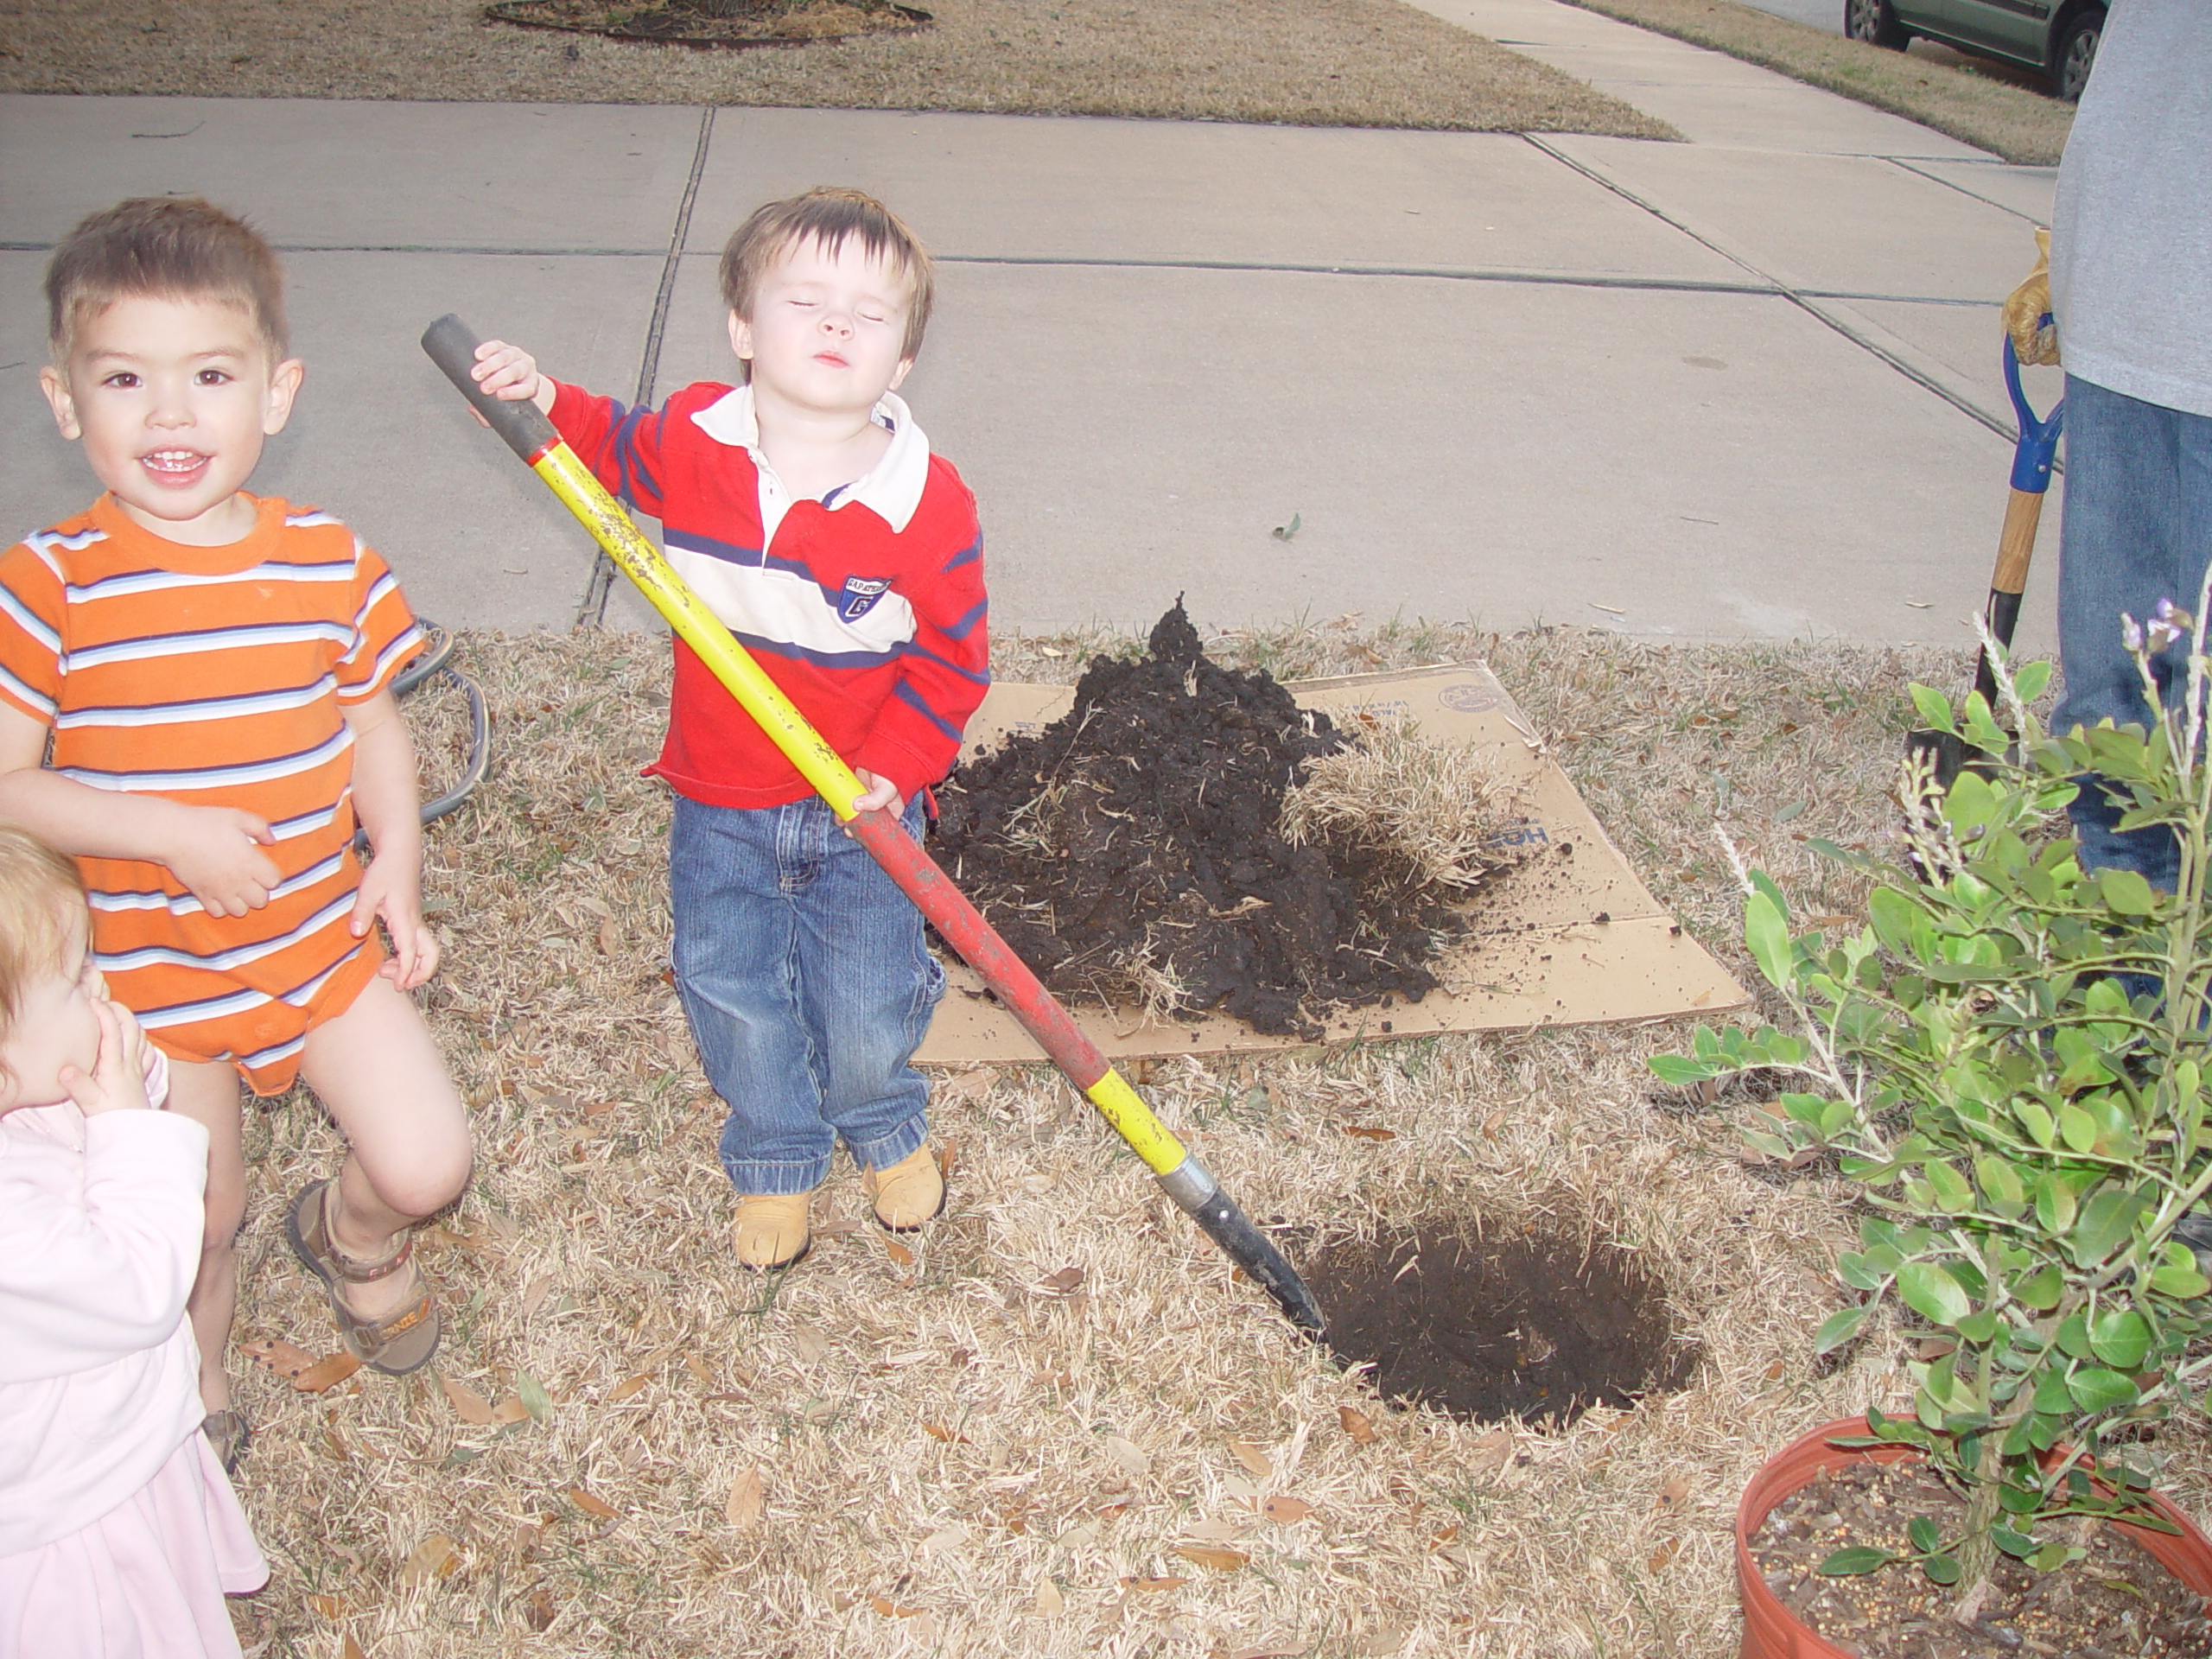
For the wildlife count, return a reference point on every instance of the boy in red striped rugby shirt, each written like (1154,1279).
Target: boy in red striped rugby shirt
(214,670)
(806,508)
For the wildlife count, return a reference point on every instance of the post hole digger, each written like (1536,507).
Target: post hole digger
(452,346)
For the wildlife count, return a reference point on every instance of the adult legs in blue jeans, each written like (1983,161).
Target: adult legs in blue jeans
(808,985)
(2138,529)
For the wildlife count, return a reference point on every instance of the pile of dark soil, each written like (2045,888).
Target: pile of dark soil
(1132,852)
(2119,1600)
(713,22)
(1524,1326)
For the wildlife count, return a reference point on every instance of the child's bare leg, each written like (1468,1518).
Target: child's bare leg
(380,1076)
(209,1094)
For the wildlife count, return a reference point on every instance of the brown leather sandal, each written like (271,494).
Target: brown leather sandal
(402,1342)
(229,1434)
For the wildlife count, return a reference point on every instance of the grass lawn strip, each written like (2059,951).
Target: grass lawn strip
(1361,63)
(632,1447)
(2016,123)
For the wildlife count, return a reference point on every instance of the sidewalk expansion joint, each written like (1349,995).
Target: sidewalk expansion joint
(1806,300)
(1971,195)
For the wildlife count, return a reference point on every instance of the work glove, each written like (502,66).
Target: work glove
(2027,311)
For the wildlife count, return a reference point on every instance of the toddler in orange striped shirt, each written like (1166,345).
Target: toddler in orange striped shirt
(214,672)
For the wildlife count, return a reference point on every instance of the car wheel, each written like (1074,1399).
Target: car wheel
(2077,51)
(1875,21)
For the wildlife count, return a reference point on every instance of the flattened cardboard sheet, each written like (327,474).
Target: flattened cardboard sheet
(1570,936)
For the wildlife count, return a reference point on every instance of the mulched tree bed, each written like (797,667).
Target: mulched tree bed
(713,23)
(2119,1601)
(1132,851)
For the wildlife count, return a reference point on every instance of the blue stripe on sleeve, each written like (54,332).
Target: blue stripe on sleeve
(913,699)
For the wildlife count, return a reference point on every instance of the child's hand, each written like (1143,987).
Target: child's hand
(119,1079)
(510,373)
(392,891)
(216,852)
(880,792)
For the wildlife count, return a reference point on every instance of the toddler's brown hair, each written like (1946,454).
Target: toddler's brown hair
(826,215)
(166,247)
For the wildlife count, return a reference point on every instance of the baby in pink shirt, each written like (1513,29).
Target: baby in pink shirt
(119,1532)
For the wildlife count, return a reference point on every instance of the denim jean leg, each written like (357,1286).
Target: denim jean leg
(732,874)
(869,983)
(2137,529)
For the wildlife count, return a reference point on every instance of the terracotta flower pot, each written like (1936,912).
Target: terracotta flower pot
(1772,1631)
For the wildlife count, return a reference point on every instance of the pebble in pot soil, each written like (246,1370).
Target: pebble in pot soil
(1133,852)
(2119,1602)
(1531,1324)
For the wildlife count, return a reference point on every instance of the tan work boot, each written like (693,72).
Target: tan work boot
(909,1193)
(771,1230)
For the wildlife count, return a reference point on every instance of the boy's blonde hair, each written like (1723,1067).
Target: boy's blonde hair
(164,247)
(826,215)
(40,893)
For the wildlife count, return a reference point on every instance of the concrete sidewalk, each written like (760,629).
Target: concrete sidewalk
(1742,386)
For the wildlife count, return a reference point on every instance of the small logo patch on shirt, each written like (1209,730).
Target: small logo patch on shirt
(860,596)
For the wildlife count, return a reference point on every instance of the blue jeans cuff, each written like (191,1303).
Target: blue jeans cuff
(755,1178)
(885,1150)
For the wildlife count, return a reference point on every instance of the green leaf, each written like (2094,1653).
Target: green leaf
(1858,1558)
(2106,1220)
(1978,1326)
(2036,1120)
(2000,1182)
(1839,1328)
(1768,937)
(2076,1129)
(1679,1070)
(1933,707)
(2042,1288)
(2184,1283)
(2013,1543)
(1856,1271)
(2030,678)
(2127,892)
(2121,1336)
(2073,1337)
(1943,1569)
(2055,1200)
(2052,1555)
(1932,1292)
(535,1400)
(1952,1192)
(2095,1389)
(1924,1533)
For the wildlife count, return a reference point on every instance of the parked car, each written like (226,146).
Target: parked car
(2059,37)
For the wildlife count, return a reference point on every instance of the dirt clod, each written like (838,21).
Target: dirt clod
(1132,851)
(1528,1325)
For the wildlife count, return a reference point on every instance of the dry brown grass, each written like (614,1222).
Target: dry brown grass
(1370,63)
(2019,125)
(1392,789)
(952,1456)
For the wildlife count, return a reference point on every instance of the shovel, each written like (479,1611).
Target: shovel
(2016,544)
(452,346)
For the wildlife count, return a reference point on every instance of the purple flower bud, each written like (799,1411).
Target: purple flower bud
(2131,633)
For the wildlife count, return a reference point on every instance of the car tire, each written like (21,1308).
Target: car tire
(1876,22)
(2076,53)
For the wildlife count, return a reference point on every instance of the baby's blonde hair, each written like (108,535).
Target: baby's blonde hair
(826,216)
(41,894)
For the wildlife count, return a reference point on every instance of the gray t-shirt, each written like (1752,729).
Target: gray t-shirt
(2131,239)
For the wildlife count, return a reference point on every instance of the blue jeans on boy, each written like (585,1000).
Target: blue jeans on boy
(2138,529)
(808,984)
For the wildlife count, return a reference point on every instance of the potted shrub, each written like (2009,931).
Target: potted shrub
(2009,1061)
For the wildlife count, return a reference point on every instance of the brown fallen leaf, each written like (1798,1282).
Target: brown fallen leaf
(1444,1536)
(509,1410)
(1219,1559)
(1664,1554)
(1153,1587)
(836,1227)
(610,939)
(743,1509)
(1357,1423)
(968,1085)
(537,1610)
(1254,1461)
(1049,1602)
(1675,1493)
(350,1648)
(1383,1642)
(1060,1283)
(948,1157)
(436,1557)
(334,1446)
(629,1386)
(327,1372)
(891,1609)
(1369,1132)
(950,1437)
(1285,1510)
(592,1505)
(1493,1452)
(1283,1647)
(900,1254)
(468,1405)
(328,1606)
